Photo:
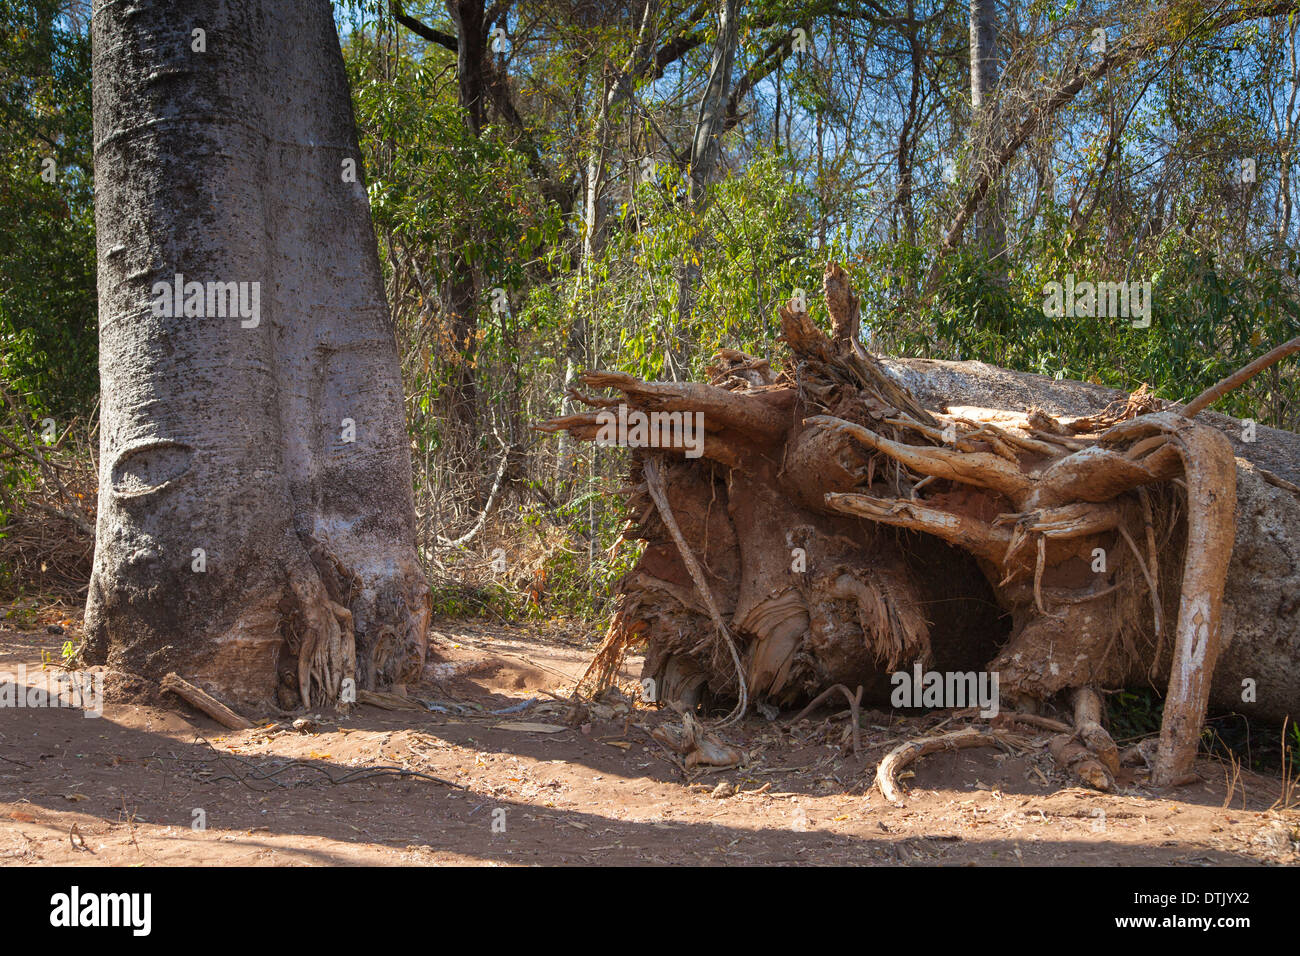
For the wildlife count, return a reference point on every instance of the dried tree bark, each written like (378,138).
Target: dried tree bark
(855,515)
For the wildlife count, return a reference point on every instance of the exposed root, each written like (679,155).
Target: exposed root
(1065,518)
(1149,574)
(700,747)
(603,670)
(906,753)
(1079,760)
(1088,752)
(855,702)
(979,469)
(1240,377)
(656,489)
(893,628)
(978,537)
(1087,725)
(1149,526)
(326,643)
(1211,475)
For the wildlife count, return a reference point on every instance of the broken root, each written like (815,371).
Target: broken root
(912,750)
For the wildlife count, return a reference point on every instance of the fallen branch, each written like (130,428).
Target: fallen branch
(385,701)
(1240,377)
(205,702)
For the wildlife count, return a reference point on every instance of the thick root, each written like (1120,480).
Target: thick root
(1071,754)
(906,753)
(326,644)
(1088,752)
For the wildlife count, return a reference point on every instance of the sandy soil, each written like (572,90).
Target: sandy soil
(589,786)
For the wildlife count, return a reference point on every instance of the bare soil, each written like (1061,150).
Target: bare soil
(123,789)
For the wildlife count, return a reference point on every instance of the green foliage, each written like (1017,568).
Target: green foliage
(451,203)
(1206,321)
(48,343)
(550,572)
(1134,714)
(580,580)
(745,251)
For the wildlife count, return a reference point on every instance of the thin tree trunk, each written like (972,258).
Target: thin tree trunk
(470,51)
(906,148)
(593,217)
(706,150)
(990,221)
(461,307)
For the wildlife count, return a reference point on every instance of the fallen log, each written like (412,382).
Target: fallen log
(851,516)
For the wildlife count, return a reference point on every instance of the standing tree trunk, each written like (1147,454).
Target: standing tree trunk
(990,223)
(616,89)
(471,50)
(907,136)
(475,82)
(256,523)
(461,303)
(706,151)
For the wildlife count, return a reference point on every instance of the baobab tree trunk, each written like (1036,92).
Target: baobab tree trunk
(852,515)
(256,524)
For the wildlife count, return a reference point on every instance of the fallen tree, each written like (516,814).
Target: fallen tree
(852,516)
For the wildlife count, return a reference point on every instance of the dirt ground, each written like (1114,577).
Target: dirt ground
(547,783)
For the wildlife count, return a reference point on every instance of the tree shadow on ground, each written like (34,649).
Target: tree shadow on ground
(157,775)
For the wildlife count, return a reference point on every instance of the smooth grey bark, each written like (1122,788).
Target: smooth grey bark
(229,166)
(706,147)
(990,222)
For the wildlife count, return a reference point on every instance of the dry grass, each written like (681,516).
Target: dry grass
(47,499)
(1290,798)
